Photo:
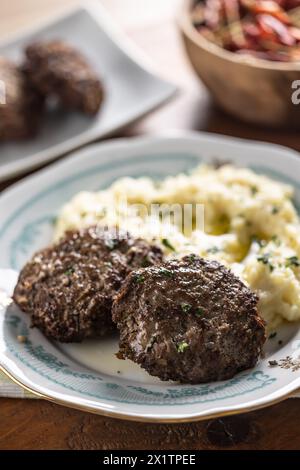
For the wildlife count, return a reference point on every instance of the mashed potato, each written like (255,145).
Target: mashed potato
(250,224)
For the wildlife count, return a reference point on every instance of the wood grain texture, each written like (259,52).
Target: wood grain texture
(35,424)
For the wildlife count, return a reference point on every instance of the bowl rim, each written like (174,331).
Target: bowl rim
(185,24)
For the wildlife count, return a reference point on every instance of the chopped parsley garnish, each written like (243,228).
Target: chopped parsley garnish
(213,250)
(185,307)
(166,272)
(69,271)
(181,347)
(254,190)
(139,278)
(275,210)
(168,244)
(293,261)
(265,259)
(273,334)
(199,312)
(192,257)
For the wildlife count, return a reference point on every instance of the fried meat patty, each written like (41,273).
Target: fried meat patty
(21,107)
(58,69)
(189,320)
(68,288)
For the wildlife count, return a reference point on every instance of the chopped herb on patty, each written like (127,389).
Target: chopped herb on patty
(166,272)
(199,312)
(139,278)
(181,347)
(185,307)
(69,271)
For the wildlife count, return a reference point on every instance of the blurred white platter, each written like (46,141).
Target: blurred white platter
(132,89)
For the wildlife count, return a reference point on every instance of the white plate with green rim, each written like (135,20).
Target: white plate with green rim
(88,376)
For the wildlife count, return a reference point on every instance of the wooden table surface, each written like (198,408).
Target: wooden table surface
(35,424)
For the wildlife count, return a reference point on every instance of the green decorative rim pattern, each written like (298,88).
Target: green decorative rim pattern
(48,366)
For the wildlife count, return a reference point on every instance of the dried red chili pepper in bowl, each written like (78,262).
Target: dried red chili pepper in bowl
(259,26)
(247,52)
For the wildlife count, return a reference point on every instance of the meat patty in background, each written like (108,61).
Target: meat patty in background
(58,69)
(68,288)
(189,320)
(20,113)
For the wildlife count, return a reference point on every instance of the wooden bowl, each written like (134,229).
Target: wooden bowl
(254,90)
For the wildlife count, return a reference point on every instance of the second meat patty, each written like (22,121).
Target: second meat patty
(189,320)
(68,288)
